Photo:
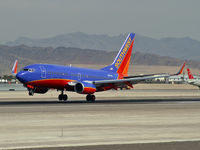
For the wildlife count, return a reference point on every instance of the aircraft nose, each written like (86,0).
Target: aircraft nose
(20,77)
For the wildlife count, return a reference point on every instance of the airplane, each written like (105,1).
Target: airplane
(181,69)
(192,80)
(39,78)
(174,78)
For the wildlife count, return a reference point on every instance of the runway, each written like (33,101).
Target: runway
(44,122)
(188,145)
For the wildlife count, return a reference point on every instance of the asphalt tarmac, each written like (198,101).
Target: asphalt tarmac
(124,122)
(188,145)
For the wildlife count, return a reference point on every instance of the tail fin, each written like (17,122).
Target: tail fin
(121,63)
(14,69)
(181,70)
(190,74)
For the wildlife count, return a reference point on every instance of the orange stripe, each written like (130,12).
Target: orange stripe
(50,83)
(50,79)
(15,69)
(89,90)
(123,69)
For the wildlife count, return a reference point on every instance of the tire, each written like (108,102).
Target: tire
(60,97)
(93,98)
(65,97)
(90,98)
(30,93)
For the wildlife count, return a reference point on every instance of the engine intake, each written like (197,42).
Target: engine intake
(79,87)
(84,88)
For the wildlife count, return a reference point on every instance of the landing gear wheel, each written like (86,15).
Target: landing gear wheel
(60,97)
(31,92)
(63,97)
(90,98)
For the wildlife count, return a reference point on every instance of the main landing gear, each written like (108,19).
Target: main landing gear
(62,97)
(90,98)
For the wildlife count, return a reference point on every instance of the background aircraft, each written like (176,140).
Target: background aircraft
(192,80)
(39,78)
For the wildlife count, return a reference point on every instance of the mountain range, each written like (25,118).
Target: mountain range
(182,48)
(65,56)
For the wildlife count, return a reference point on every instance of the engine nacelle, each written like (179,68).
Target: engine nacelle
(85,88)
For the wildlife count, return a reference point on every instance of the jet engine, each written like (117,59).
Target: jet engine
(85,88)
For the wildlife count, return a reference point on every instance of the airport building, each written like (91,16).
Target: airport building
(13,81)
(3,81)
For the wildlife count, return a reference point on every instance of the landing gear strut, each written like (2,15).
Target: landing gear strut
(90,98)
(31,92)
(62,96)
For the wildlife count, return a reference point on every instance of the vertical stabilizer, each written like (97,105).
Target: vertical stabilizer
(190,76)
(181,69)
(121,63)
(14,69)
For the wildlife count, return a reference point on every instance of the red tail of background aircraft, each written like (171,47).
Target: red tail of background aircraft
(193,80)
(190,76)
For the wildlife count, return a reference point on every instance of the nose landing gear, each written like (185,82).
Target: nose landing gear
(31,92)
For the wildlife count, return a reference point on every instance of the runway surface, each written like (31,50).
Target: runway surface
(188,145)
(47,123)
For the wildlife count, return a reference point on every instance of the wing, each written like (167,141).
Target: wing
(194,82)
(128,80)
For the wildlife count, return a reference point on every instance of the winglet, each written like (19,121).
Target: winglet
(181,70)
(14,69)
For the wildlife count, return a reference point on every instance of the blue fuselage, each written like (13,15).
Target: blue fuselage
(57,76)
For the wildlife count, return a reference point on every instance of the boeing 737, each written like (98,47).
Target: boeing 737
(39,78)
(192,80)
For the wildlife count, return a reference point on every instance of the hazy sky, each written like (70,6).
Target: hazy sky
(46,18)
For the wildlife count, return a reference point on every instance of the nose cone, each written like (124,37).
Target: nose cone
(20,76)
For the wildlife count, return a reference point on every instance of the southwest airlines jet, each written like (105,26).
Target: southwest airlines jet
(39,78)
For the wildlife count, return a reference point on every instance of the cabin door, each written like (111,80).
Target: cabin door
(43,72)
(79,76)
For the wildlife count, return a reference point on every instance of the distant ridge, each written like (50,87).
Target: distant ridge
(65,56)
(182,48)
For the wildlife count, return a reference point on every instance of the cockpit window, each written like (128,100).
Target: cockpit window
(29,70)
